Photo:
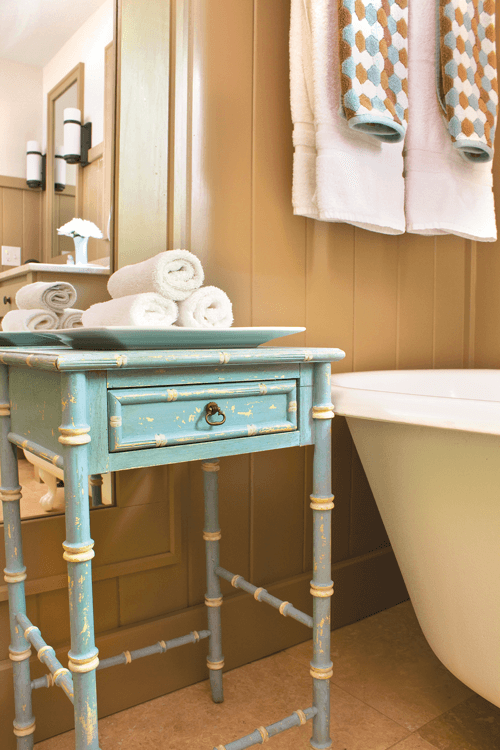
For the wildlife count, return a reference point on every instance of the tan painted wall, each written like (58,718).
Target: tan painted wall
(225,193)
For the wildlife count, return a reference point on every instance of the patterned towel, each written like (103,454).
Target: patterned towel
(373,39)
(467,75)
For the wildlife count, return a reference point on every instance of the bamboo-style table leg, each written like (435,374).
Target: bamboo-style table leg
(321,584)
(14,575)
(213,598)
(78,552)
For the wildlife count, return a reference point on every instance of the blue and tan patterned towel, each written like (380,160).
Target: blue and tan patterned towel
(467,75)
(373,39)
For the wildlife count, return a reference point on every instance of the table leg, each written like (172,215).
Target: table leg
(14,576)
(78,552)
(321,584)
(213,598)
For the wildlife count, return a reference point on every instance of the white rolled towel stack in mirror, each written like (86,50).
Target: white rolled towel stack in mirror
(43,306)
(46,295)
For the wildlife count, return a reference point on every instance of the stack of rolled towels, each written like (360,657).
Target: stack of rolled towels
(44,306)
(163,291)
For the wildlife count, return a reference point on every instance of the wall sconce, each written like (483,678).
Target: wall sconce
(77,137)
(59,170)
(35,165)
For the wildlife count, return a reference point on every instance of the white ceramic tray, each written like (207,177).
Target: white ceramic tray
(28,338)
(129,337)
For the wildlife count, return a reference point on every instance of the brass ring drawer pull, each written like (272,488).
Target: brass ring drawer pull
(212,409)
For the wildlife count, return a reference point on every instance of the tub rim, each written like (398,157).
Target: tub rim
(399,404)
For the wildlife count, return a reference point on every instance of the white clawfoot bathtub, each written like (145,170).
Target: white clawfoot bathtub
(429,441)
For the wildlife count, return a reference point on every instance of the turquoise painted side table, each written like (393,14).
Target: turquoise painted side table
(107,411)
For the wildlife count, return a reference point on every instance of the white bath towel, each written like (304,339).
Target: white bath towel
(175,274)
(208,307)
(302,106)
(30,320)
(149,310)
(445,194)
(70,318)
(56,296)
(359,180)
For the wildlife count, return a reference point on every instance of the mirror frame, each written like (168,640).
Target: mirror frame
(77,75)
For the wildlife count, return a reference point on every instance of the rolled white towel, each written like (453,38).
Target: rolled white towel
(56,296)
(174,274)
(208,307)
(30,320)
(147,310)
(70,318)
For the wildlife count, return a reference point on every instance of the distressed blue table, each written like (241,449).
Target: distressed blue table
(106,411)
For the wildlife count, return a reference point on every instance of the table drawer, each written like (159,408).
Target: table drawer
(155,417)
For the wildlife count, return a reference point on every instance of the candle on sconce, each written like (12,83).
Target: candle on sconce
(59,170)
(72,134)
(33,164)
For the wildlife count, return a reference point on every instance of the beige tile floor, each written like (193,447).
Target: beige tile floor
(388,691)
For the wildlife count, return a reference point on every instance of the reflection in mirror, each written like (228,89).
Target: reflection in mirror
(42,487)
(65,175)
(41,43)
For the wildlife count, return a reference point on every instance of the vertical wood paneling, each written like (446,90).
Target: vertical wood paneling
(367,532)
(234,514)
(278,274)
(375,301)
(12,219)
(221,152)
(93,201)
(416,302)
(449,301)
(32,226)
(330,278)
(277,518)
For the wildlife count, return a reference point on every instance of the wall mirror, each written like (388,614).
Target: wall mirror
(64,181)
(56,54)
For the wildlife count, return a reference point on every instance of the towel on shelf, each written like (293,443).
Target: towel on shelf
(445,194)
(208,307)
(467,75)
(373,41)
(174,274)
(147,310)
(70,318)
(358,178)
(30,320)
(55,296)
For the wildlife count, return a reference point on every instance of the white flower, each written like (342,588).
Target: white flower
(80,228)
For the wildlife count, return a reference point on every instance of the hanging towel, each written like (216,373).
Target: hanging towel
(30,320)
(445,194)
(48,295)
(208,307)
(174,274)
(302,106)
(70,318)
(359,179)
(148,310)
(373,39)
(467,75)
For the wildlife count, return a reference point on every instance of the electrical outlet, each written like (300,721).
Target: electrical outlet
(11,256)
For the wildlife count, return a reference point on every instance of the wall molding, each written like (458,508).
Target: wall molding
(18,183)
